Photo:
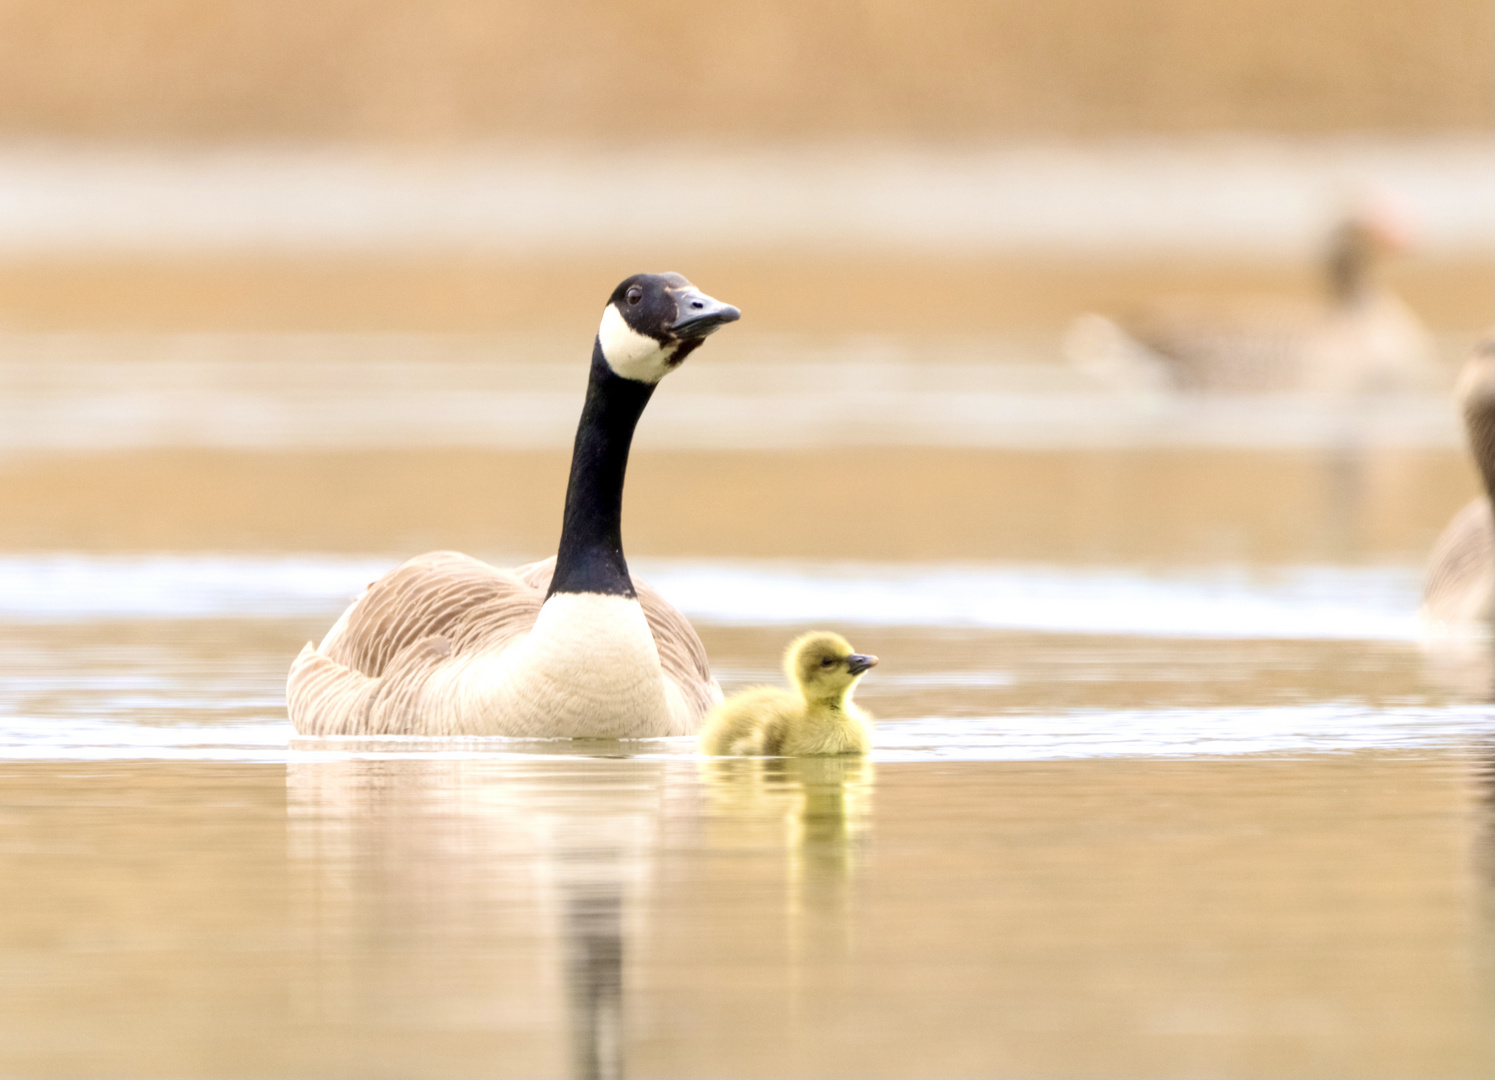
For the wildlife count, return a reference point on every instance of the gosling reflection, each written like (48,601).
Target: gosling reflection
(817,809)
(476,895)
(825,836)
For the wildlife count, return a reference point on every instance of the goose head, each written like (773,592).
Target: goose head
(652,322)
(824,665)
(1376,229)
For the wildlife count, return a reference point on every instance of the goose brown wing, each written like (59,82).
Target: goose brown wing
(681,653)
(441,594)
(1253,343)
(1461,571)
(325,698)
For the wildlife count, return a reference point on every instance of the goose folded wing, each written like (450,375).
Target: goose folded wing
(443,594)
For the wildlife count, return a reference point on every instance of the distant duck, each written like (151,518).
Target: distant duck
(571,646)
(816,717)
(1362,338)
(1460,585)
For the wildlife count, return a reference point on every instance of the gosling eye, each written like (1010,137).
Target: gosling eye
(635,294)
(828,662)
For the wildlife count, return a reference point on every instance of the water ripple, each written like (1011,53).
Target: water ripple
(1085,733)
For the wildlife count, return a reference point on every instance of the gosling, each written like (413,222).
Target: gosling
(817,720)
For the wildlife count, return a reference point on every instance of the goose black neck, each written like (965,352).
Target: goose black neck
(1349,268)
(590,559)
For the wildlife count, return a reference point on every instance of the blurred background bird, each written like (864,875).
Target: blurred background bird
(1359,336)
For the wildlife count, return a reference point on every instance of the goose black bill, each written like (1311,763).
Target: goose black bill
(699,314)
(856,663)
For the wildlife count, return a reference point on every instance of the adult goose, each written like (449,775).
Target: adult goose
(1360,337)
(1460,585)
(572,646)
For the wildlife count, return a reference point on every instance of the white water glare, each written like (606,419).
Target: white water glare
(1374,603)
(1086,733)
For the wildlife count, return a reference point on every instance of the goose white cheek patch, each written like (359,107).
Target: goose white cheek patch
(631,354)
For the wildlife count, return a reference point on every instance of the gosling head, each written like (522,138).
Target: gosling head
(824,665)
(653,322)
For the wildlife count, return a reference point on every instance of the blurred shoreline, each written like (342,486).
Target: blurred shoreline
(1202,196)
(62,393)
(448,71)
(1153,507)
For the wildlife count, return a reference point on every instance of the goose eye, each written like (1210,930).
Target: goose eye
(635,294)
(829,661)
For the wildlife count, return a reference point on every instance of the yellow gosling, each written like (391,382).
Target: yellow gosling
(815,718)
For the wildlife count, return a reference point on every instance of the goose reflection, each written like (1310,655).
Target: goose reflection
(594,979)
(476,894)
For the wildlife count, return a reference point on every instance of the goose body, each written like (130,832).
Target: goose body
(816,718)
(1460,586)
(572,646)
(1363,338)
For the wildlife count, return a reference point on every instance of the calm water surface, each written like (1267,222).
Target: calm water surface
(1077,850)
(1166,781)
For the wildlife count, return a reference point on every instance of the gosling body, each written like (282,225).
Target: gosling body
(816,718)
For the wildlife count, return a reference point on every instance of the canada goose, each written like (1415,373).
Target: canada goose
(571,646)
(817,717)
(1362,337)
(1460,582)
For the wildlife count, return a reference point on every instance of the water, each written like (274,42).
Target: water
(1166,778)
(184,657)
(1079,847)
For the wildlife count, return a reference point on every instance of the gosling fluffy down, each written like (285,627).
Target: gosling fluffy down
(815,718)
